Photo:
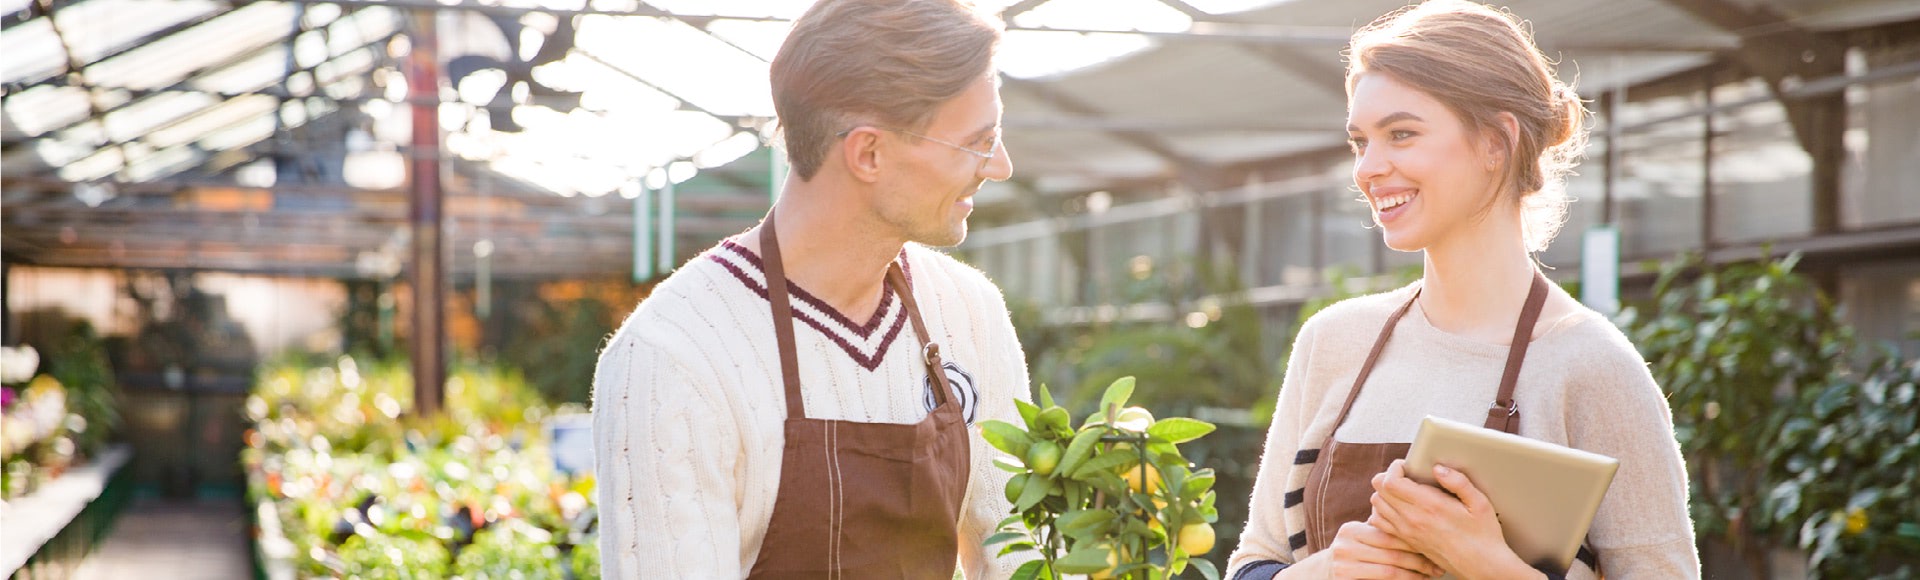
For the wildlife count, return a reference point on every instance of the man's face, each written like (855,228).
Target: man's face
(929,198)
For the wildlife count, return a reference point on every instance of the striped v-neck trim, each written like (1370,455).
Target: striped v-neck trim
(866,343)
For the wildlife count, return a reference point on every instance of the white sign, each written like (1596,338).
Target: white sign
(1600,270)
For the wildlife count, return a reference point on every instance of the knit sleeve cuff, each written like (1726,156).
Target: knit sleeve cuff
(1260,570)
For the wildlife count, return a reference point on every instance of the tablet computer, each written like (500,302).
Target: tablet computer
(1545,494)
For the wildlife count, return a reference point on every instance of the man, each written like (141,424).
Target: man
(770,410)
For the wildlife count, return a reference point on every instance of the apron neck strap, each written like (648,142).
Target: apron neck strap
(779,297)
(1504,415)
(782,317)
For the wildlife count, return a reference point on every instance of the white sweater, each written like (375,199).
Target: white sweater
(689,407)
(1582,385)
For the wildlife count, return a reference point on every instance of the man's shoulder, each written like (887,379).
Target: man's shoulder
(685,312)
(949,272)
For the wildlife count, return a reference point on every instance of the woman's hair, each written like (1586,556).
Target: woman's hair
(1481,62)
(874,61)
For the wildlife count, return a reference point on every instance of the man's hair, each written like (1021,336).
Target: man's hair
(1480,62)
(891,62)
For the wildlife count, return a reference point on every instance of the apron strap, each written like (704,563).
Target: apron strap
(1504,415)
(782,318)
(930,350)
(1366,368)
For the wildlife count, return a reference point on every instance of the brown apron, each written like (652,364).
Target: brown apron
(863,500)
(1340,483)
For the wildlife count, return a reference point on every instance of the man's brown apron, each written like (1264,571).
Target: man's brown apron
(863,500)
(1340,483)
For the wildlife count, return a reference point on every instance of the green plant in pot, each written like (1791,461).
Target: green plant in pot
(1113,498)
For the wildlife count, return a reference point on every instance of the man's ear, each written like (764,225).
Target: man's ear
(860,154)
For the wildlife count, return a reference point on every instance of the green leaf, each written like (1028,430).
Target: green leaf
(1206,568)
(1083,560)
(1054,419)
(1018,547)
(1046,398)
(1035,490)
(1029,570)
(1104,462)
(1117,393)
(1028,414)
(1002,537)
(1083,523)
(1199,483)
(1008,466)
(1078,450)
(1006,437)
(1180,429)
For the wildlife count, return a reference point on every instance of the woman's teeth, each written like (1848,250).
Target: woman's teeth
(1387,203)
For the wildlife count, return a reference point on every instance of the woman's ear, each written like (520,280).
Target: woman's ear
(1497,152)
(860,153)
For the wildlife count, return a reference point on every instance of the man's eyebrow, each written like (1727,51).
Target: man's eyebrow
(1388,120)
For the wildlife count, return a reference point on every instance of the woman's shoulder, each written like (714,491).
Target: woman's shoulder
(1367,311)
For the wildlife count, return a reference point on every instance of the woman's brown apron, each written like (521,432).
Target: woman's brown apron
(863,500)
(1340,483)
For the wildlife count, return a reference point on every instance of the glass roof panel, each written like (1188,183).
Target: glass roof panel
(152,113)
(704,70)
(30,51)
(212,119)
(97,27)
(167,60)
(44,108)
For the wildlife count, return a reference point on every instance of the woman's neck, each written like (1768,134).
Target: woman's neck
(1477,281)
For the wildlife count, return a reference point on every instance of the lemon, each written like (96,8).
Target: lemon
(1043,457)
(1196,538)
(1136,483)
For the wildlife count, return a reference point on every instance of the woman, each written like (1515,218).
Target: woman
(1461,135)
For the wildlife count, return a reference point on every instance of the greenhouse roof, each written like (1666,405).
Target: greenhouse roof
(272,136)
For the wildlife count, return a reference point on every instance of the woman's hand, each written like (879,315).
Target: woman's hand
(1459,532)
(1362,551)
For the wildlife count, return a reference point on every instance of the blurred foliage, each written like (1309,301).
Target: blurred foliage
(1791,439)
(79,362)
(355,476)
(1113,498)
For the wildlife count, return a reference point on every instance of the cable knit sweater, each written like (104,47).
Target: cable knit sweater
(1582,385)
(689,406)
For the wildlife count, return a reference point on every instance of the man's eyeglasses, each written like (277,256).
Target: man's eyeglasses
(985,156)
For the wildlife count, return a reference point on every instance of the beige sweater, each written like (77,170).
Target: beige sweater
(688,406)
(1582,385)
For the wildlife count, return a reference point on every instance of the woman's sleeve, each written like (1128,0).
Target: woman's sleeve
(1643,529)
(1266,541)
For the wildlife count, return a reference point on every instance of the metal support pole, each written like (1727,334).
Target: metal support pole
(1610,179)
(427,273)
(643,235)
(665,247)
(1706,170)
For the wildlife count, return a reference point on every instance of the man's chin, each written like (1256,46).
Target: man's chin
(947,238)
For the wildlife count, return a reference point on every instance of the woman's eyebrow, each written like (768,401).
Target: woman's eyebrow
(1388,120)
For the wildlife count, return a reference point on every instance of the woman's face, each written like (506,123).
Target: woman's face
(1425,175)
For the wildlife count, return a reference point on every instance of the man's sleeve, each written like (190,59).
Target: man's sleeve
(665,450)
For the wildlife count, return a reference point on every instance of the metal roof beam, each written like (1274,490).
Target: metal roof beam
(1188,170)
